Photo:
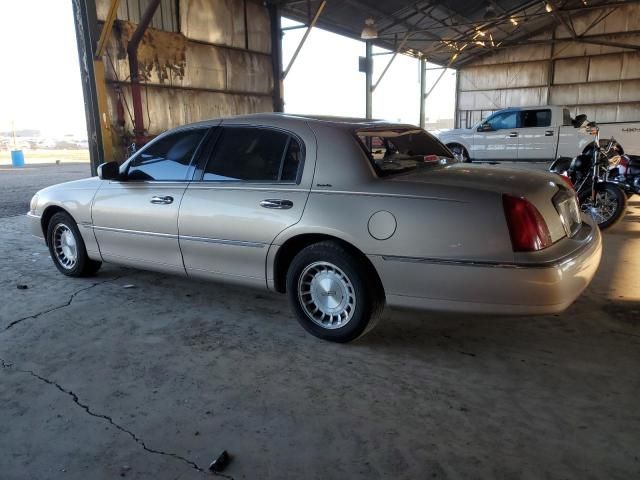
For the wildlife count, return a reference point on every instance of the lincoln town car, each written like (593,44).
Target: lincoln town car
(344,216)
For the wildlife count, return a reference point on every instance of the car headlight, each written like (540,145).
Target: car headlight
(34,203)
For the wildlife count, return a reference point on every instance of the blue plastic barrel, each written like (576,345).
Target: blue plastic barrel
(17,158)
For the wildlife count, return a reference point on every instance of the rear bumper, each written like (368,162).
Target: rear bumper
(525,288)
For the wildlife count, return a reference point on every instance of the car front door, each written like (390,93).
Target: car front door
(250,189)
(135,219)
(496,139)
(536,137)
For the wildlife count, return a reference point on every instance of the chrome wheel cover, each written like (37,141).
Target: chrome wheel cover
(603,209)
(65,247)
(326,295)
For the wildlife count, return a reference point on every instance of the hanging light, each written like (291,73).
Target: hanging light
(548,7)
(369,32)
(513,21)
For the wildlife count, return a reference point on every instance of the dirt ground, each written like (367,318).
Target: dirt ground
(140,375)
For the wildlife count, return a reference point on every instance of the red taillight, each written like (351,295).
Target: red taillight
(527,228)
(568,181)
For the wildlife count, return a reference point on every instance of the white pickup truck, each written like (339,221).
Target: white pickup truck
(535,134)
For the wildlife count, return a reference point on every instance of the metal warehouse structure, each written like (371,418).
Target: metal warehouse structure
(149,65)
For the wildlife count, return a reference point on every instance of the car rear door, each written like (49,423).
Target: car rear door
(135,219)
(537,139)
(250,188)
(500,143)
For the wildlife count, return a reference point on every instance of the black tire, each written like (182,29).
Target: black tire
(614,192)
(460,151)
(83,266)
(361,285)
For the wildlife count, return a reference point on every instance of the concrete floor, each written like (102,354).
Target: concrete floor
(102,381)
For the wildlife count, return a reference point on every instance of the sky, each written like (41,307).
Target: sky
(40,83)
(40,78)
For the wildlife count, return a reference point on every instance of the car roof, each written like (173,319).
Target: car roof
(348,122)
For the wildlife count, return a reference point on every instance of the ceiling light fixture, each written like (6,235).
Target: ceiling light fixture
(548,7)
(513,21)
(369,32)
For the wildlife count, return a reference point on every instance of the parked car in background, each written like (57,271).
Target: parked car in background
(342,215)
(533,134)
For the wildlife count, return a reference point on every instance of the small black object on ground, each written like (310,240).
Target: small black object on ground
(22,286)
(220,463)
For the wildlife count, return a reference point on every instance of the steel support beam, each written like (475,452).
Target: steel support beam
(276,58)
(304,38)
(84,14)
(395,54)
(423,88)
(369,79)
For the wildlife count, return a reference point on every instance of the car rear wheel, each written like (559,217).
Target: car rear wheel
(333,293)
(67,248)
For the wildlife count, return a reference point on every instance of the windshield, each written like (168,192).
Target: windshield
(393,151)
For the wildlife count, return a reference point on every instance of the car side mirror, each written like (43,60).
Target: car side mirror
(485,127)
(109,171)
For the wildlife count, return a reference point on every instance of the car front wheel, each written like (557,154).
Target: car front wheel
(67,248)
(333,292)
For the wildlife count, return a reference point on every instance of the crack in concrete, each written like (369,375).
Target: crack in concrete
(86,408)
(58,307)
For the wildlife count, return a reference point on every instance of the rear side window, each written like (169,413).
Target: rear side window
(169,158)
(535,118)
(254,155)
(401,150)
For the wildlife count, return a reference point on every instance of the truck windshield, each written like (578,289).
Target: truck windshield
(393,151)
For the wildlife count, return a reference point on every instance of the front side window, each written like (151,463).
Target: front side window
(535,118)
(402,150)
(253,154)
(503,121)
(168,159)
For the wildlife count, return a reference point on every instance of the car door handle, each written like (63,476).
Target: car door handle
(276,203)
(162,200)
(548,133)
(513,134)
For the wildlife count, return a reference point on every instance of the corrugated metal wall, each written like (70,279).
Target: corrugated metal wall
(602,81)
(218,63)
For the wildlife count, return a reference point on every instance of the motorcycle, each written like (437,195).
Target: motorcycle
(599,197)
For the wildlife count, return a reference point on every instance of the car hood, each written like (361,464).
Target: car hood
(91,183)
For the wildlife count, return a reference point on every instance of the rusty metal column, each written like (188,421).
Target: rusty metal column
(134,71)
(423,89)
(369,80)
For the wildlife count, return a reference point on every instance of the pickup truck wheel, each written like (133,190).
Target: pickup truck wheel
(460,152)
(332,293)
(67,248)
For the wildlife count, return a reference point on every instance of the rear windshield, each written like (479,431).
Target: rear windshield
(402,150)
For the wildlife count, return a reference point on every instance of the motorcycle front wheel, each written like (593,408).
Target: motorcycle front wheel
(609,206)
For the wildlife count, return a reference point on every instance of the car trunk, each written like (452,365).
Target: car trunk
(537,187)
